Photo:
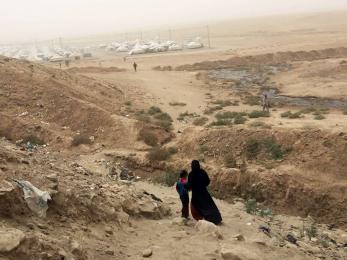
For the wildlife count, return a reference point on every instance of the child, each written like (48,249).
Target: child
(183,192)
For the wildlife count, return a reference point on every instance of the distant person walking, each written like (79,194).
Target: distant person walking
(265,102)
(135,66)
(202,205)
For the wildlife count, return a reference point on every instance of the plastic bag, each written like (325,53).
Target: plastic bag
(35,198)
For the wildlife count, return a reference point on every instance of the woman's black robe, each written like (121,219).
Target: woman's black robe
(202,201)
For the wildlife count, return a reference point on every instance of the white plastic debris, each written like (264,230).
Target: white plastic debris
(35,198)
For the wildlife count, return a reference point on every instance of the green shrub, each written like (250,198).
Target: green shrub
(222,103)
(345,112)
(163,117)
(230,115)
(273,148)
(257,114)
(177,104)
(291,115)
(154,110)
(164,120)
(221,122)
(251,206)
(172,150)
(168,178)
(229,160)
(167,125)
(211,110)
(200,121)
(33,139)
(80,139)
(308,110)
(239,120)
(260,124)
(253,147)
(148,137)
(143,118)
(311,231)
(158,154)
(182,116)
(128,103)
(203,148)
(319,117)
(252,100)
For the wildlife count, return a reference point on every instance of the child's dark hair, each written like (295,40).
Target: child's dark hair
(183,174)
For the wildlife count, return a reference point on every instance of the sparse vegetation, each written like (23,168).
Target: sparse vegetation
(311,231)
(163,117)
(80,139)
(229,160)
(222,122)
(144,118)
(148,137)
(158,154)
(260,125)
(230,115)
(34,140)
(251,206)
(257,114)
(254,146)
(177,104)
(225,103)
(319,117)
(345,112)
(203,148)
(128,103)
(154,110)
(273,148)
(200,121)
(172,150)
(239,120)
(252,100)
(182,116)
(291,115)
(168,178)
(211,110)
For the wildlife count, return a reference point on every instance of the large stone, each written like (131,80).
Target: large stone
(204,226)
(10,238)
(147,252)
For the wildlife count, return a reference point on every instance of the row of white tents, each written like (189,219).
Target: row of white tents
(138,47)
(52,54)
(59,54)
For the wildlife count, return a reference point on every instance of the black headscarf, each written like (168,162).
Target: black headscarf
(195,166)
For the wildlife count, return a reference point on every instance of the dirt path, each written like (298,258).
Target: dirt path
(172,238)
(155,88)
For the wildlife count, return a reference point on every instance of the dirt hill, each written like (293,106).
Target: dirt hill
(53,106)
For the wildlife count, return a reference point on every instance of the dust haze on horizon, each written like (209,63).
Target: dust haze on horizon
(23,20)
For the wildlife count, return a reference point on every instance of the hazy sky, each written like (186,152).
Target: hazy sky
(42,19)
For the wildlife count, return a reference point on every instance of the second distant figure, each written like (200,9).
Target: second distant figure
(135,66)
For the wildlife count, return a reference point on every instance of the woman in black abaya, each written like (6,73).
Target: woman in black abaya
(202,204)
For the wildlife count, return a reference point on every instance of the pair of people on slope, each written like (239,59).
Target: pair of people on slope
(202,205)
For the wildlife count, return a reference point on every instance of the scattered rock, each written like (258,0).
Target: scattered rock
(147,252)
(239,237)
(109,252)
(10,238)
(109,230)
(208,227)
(52,177)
